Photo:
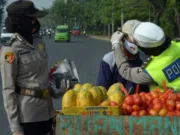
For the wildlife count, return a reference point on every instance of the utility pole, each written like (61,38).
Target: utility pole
(149,12)
(122,14)
(112,16)
(75,21)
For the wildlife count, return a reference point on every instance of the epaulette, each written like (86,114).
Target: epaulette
(10,42)
(36,36)
(177,39)
(145,63)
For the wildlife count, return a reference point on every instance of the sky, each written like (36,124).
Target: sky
(38,3)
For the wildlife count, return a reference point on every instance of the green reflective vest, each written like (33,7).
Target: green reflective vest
(166,67)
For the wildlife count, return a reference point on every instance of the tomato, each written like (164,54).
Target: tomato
(136,107)
(169,114)
(163,100)
(178,106)
(137,100)
(112,103)
(154,94)
(177,113)
(171,103)
(173,96)
(129,100)
(163,112)
(157,106)
(142,113)
(156,100)
(129,108)
(142,94)
(153,112)
(135,113)
(149,98)
(170,108)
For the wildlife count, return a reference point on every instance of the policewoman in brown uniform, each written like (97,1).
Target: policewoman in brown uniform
(24,72)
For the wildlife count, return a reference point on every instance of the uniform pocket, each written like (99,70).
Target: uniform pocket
(27,58)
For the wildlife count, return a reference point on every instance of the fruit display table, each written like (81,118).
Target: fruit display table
(117,125)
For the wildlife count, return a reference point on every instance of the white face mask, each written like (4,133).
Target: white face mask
(132,48)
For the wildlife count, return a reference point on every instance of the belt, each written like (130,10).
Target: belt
(34,93)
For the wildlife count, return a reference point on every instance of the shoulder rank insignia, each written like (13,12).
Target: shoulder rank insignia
(9,57)
(19,38)
(10,42)
(145,63)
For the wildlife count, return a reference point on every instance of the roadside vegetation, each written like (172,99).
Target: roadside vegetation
(102,17)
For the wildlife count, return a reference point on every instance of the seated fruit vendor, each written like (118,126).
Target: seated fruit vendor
(108,71)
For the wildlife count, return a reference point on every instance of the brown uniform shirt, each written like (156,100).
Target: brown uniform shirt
(25,65)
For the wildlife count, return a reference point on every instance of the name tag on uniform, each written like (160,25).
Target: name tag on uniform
(172,71)
(24,52)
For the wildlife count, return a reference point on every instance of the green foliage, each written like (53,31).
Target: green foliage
(2,3)
(95,15)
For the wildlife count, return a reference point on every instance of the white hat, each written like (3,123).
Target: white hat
(149,35)
(129,26)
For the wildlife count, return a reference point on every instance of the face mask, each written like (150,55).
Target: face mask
(35,27)
(132,48)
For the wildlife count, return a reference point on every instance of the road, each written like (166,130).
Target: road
(86,53)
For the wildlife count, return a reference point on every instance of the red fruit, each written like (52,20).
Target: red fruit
(153,112)
(142,113)
(112,103)
(163,100)
(136,107)
(154,94)
(177,113)
(129,100)
(135,113)
(124,106)
(157,107)
(142,94)
(149,98)
(129,108)
(163,112)
(156,100)
(173,96)
(170,108)
(178,106)
(169,114)
(137,100)
(145,105)
(171,103)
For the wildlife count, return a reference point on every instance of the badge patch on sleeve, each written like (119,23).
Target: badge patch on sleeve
(9,57)
(139,70)
(41,47)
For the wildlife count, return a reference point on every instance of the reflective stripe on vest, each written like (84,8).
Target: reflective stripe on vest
(166,67)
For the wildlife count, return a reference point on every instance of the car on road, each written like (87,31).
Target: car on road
(76,31)
(5,35)
(62,33)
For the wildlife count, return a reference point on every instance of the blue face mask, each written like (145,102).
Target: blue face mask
(132,48)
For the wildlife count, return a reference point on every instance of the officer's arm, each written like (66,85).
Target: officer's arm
(8,74)
(135,75)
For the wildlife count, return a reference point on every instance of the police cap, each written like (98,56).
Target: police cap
(24,8)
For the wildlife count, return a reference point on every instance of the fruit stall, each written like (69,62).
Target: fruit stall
(93,110)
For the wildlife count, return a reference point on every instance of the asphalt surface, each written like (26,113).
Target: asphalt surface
(86,53)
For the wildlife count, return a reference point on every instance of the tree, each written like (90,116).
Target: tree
(2,3)
(159,6)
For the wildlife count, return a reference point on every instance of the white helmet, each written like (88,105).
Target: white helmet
(149,35)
